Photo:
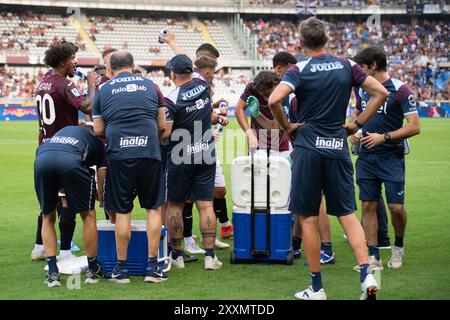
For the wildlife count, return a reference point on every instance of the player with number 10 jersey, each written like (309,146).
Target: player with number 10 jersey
(58,99)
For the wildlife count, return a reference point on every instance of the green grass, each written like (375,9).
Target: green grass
(425,275)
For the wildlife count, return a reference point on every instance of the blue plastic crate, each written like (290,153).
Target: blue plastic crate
(137,247)
(280,236)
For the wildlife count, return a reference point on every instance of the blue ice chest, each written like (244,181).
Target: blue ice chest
(137,247)
(280,236)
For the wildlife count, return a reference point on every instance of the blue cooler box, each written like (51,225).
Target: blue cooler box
(280,236)
(137,247)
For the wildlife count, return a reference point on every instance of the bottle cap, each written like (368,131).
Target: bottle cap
(359,134)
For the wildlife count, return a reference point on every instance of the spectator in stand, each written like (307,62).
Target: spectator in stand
(414,49)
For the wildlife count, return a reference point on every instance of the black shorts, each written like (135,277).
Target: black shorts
(373,170)
(190,181)
(126,179)
(164,159)
(54,170)
(313,175)
(165,152)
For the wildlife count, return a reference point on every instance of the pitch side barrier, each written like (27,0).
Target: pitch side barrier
(21,111)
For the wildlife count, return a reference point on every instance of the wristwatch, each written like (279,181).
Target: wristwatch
(358,124)
(387,137)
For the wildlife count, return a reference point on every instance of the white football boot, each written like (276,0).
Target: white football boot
(309,294)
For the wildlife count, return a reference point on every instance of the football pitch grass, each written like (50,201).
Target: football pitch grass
(425,273)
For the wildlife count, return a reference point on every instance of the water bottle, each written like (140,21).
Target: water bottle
(219,128)
(164,32)
(81,73)
(357,145)
(223,104)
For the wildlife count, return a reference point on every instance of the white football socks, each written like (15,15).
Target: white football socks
(65,253)
(189,241)
(39,247)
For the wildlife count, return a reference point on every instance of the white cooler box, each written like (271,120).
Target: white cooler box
(280,181)
(259,234)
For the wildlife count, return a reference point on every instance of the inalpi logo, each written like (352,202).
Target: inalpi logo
(329,143)
(64,140)
(197,147)
(132,142)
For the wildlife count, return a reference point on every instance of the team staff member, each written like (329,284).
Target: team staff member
(205,68)
(322,163)
(63,162)
(58,101)
(191,165)
(264,83)
(254,97)
(127,110)
(381,158)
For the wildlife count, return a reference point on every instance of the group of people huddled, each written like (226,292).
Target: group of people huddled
(162,150)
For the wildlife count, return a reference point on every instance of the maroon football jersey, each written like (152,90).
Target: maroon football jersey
(57,101)
(264,136)
(102,81)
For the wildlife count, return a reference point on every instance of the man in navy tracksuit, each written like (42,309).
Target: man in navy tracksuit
(129,111)
(322,164)
(63,161)
(381,158)
(191,164)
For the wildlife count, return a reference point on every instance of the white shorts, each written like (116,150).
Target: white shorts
(219,180)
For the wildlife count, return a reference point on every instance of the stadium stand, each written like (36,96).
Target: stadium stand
(33,33)
(417,47)
(21,82)
(343,3)
(115,32)
(402,41)
(217,32)
(414,48)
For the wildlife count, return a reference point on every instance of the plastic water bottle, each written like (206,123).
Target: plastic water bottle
(164,32)
(219,128)
(81,73)
(223,104)
(357,145)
